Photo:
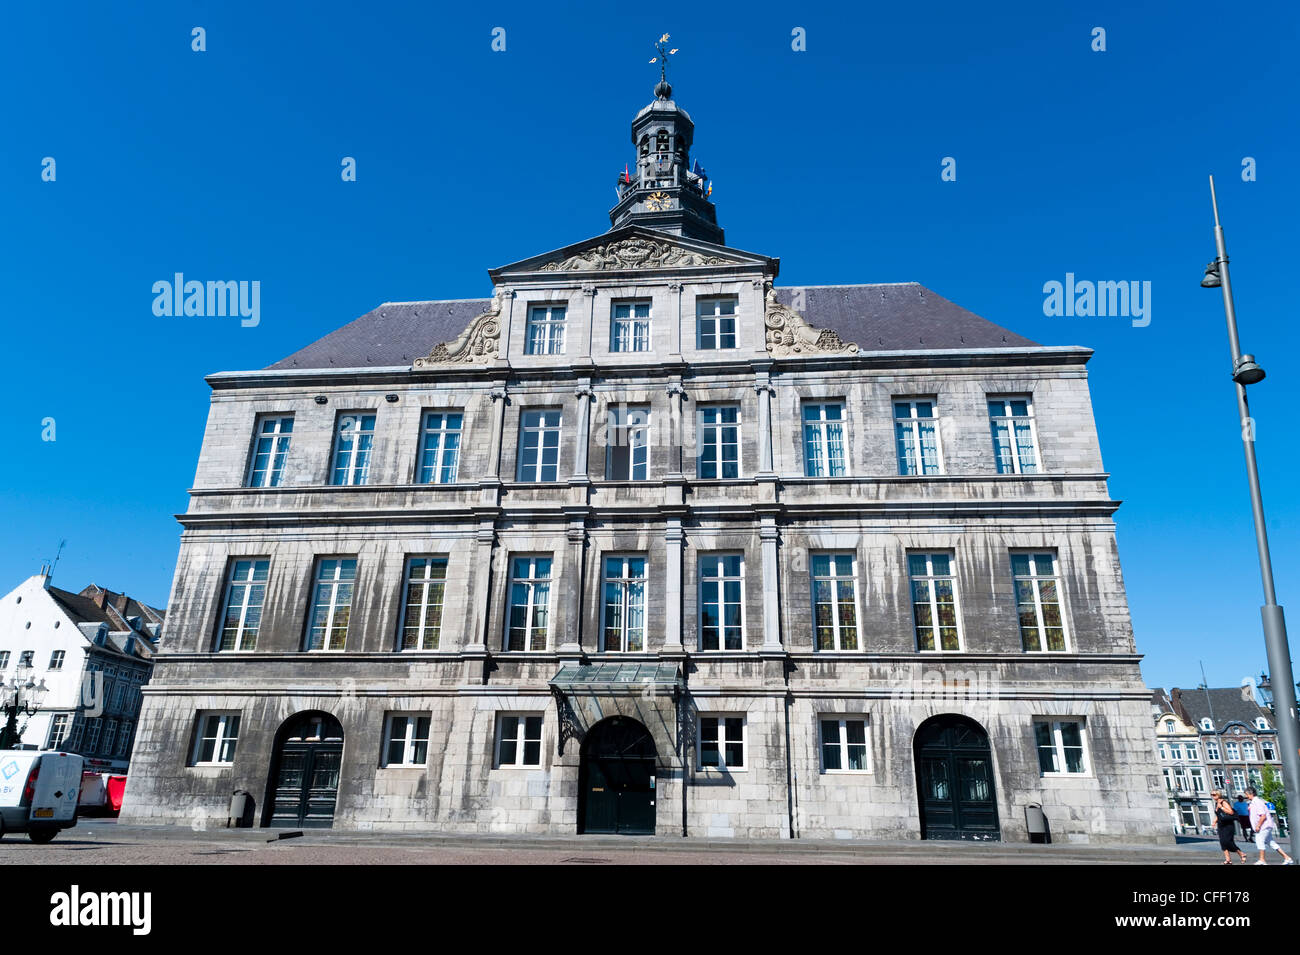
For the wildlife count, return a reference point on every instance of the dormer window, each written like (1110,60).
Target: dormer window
(1169,726)
(1207,725)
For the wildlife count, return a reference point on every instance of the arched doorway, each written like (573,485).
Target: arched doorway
(616,779)
(954,775)
(304,782)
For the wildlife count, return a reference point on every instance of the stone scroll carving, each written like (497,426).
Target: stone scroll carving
(788,334)
(633,254)
(476,345)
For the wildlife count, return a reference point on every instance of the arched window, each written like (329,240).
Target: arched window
(644,146)
(1206,724)
(1169,726)
(661,141)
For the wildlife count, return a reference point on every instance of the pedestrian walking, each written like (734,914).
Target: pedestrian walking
(1225,820)
(1265,826)
(1242,808)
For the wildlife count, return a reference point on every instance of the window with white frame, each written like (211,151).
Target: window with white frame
(426,581)
(241,614)
(1169,779)
(56,660)
(539,445)
(1248,750)
(331,607)
(353,439)
(721,593)
(1270,752)
(58,731)
(1175,751)
(26,657)
(1207,725)
(716,323)
(406,739)
(1234,751)
(1219,781)
(916,434)
(1256,777)
(1163,749)
(934,601)
(823,439)
(530,596)
(627,442)
(1198,779)
(273,434)
(1012,422)
(1211,749)
(718,435)
(519,739)
(545,332)
(722,742)
(1193,752)
(623,626)
(1060,746)
(124,738)
(440,447)
(1038,601)
(1239,780)
(630,327)
(835,603)
(4,659)
(844,745)
(93,728)
(1261,724)
(110,737)
(215,738)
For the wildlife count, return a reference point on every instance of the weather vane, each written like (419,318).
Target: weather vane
(662,58)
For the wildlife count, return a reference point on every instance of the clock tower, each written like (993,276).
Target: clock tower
(662,192)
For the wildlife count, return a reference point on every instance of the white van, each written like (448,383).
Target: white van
(38,792)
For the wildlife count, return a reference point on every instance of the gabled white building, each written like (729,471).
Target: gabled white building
(93,650)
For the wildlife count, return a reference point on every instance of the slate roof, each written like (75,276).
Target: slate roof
(1229,706)
(395,333)
(118,609)
(897,317)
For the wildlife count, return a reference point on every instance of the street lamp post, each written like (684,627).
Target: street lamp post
(19,695)
(1246,372)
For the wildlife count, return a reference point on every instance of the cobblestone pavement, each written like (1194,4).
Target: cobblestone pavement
(97,841)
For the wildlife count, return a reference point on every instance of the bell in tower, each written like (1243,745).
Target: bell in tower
(663,192)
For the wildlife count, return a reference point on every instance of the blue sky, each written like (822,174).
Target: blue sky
(225,164)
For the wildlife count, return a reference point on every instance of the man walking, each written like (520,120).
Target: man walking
(1265,827)
(1242,809)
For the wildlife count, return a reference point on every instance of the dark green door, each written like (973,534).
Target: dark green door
(305,774)
(954,769)
(617,779)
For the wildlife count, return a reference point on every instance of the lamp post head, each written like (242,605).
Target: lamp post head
(1211,278)
(1247,372)
(39,692)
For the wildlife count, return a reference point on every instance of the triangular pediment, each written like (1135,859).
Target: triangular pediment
(635,249)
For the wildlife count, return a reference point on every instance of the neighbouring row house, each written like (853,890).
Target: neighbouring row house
(93,651)
(1220,738)
(644,543)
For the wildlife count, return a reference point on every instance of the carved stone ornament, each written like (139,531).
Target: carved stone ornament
(789,335)
(476,345)
(633,254)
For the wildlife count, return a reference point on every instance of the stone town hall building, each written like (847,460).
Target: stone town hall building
(646,543)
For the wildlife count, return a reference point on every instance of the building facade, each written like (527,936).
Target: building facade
(646,543)
(94,652)
(1238,737)
(1187,779)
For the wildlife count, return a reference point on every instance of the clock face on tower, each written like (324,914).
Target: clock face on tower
(658,201)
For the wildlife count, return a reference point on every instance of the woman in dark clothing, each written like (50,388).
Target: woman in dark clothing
(1224,818)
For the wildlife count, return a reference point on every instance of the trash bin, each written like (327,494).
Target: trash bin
(1036,823)
(241,810)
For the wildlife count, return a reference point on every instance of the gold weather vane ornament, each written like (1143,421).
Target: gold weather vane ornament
(662,58)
